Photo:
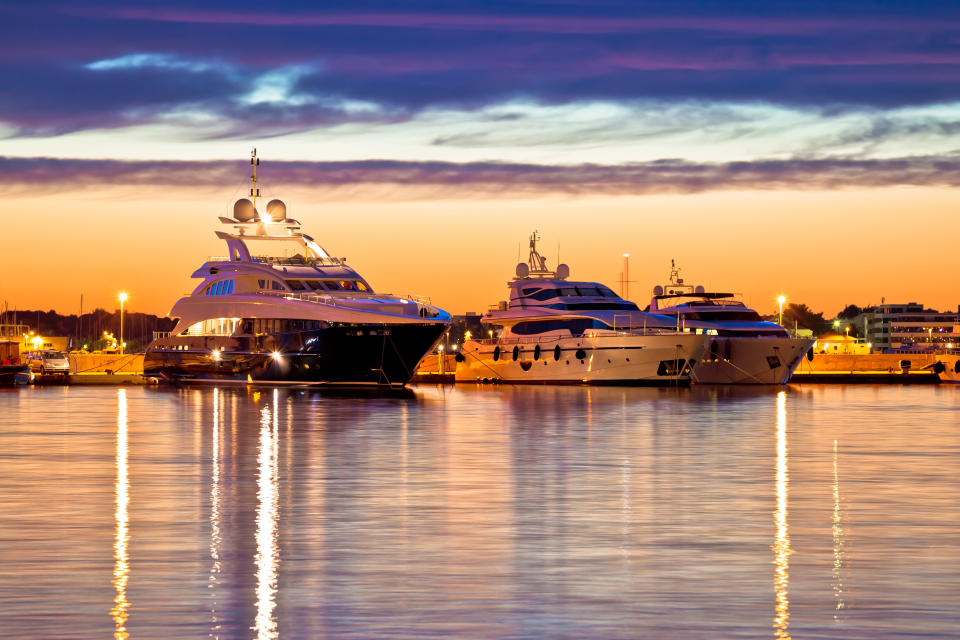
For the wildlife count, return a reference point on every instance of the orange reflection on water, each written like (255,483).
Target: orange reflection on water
(267,557)
(837,540)
(781,545)
(121,567)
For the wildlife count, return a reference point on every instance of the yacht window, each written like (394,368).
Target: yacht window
(316,285)
(229,287)
(295,285)
(217,287)
(576,327)
(589,291)
(332,285)
(263,284)
(595,306)
(276,286)
(361,286)
(347,284)
(540,294)
(606,292)
(568,291)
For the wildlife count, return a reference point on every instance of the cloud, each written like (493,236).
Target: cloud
(136,62)
(490,179)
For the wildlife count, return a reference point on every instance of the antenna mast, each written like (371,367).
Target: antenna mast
(537,263)
(254,190)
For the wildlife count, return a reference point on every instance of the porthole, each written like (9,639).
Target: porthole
(516,353)
(556,353)
(956,366)
(580,354)
(536,352)
(496,353)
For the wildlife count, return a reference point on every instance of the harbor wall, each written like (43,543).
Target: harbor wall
(872,362)
(102,362)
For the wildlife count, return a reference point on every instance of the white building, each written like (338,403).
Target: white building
(893,326)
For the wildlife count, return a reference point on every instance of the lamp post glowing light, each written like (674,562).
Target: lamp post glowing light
(123,298)
(780,301)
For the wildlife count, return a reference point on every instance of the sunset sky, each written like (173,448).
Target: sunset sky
(811,150)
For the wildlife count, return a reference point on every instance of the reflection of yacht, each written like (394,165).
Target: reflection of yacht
(743,348)
(557,331)
(280,309)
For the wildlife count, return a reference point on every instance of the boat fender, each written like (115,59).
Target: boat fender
(516,353)
(939,367)
(580,354)
(556,354)
(810,354)
(496,353)
(536,352)
(459,357)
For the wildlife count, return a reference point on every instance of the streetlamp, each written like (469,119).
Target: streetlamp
(440,359)
(123,298)
(780,301)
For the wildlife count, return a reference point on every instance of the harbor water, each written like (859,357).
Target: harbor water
(480,512)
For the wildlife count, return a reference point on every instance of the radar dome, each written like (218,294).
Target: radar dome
(277,210)
(658,290)
(699,289)
(243,210)
(523,270)
(563,271)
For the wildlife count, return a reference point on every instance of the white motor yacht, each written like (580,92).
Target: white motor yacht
(279,309)
(554,330)
(743,348)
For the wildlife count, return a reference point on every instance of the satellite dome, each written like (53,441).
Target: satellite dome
(523,270)
(243,210)
(277,210)
(563,271)
(658,290)
(699,289)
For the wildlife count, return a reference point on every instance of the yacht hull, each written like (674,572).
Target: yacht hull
(614,359)
(357,355)
(951,368)
(750,360)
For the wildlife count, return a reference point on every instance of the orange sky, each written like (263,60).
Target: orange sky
(824,248)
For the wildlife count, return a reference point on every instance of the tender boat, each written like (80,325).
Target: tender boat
(279,309)
(554,330)
(743,348)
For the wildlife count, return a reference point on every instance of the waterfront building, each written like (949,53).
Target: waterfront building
(895,326)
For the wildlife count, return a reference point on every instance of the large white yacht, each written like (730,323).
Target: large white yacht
(743,348)
(279,309)
(554,330)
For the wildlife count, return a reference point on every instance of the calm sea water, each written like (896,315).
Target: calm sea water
(809,512)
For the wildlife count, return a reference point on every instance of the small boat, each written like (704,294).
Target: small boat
(10,364)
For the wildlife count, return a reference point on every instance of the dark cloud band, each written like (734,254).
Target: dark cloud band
(441,179)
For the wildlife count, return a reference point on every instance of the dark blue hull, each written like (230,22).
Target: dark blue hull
(355,355)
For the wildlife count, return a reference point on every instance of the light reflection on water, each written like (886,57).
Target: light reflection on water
(480,513)
(121,568)
(781,546)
